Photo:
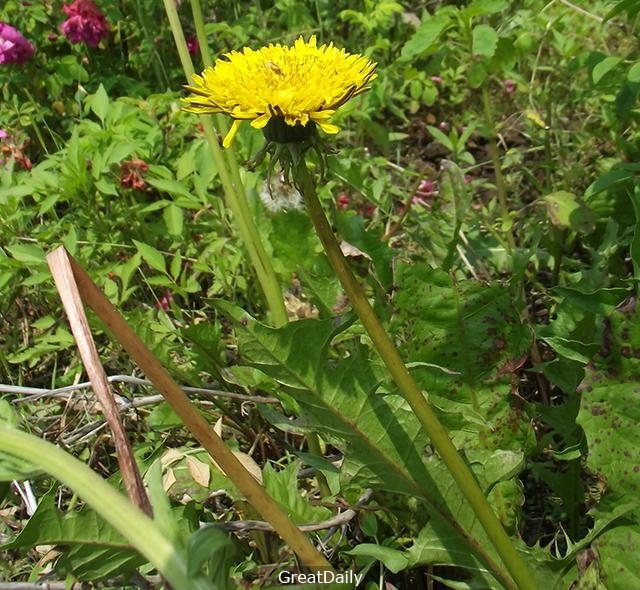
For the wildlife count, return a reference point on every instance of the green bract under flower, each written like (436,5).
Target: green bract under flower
(296,85)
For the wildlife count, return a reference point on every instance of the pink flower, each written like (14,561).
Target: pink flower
(509,86)
(164,303)
(343,201)
(427,189)
(86,23)
(192,45)
(436,79)
(14,48)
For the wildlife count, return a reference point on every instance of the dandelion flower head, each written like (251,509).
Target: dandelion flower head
(295,85)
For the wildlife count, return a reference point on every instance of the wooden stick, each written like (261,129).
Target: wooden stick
(71,300)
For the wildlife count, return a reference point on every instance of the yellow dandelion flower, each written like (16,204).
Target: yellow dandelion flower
(281,88)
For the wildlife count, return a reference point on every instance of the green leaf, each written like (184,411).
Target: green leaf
(172,187)
(635,241)
(477,74)
(485,41)
(619,556)
(609,414)
(99,103)
(218,550)
(603,67)
(282,486)
(28,253)
(633,75)
(425,40)
(440,137)
(151,256)
(173,219)
(484,7)
(393,559)
(566,210)
(630,6)
(381,439)
(99,550)
(469,327)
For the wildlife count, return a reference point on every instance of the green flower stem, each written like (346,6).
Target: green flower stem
(279,315)
(412,393)
(235,196)
(501,185)
(135,526)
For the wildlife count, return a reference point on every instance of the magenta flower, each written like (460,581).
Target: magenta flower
(14,48)
(509,86)
(86,23)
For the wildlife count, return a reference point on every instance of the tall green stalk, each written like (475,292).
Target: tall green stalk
(229,174)
(412,393)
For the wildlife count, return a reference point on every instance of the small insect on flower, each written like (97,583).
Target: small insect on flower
(273,67)
(285,90)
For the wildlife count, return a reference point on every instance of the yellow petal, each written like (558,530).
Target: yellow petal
(328,127)
(261,121)
(232,133)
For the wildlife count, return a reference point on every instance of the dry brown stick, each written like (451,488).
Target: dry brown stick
(71,300)
(181,405)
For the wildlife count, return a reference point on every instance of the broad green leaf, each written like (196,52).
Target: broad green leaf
(441,137)
(383,443)
(282,486)
(603,67)
(618,550)
(393,559)
(477,74)
(424,40)
(485,41)
(172,187)
(99,550)
(484,7)
(566,210)
(633,75)
(28,253)
(630,6)
(151,256)
(99,103)
(218,550)
(469,327)
(173,219)
(609,414)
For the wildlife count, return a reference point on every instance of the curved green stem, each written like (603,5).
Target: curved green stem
(229,174)
(412,393)
(135,526)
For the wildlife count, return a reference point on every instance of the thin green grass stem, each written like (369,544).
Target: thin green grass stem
(501,185)
(412,393)
(229,174)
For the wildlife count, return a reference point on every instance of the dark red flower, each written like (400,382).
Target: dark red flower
(131,174)
(192,45)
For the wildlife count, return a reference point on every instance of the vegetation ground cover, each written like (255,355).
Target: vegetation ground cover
(485,193)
